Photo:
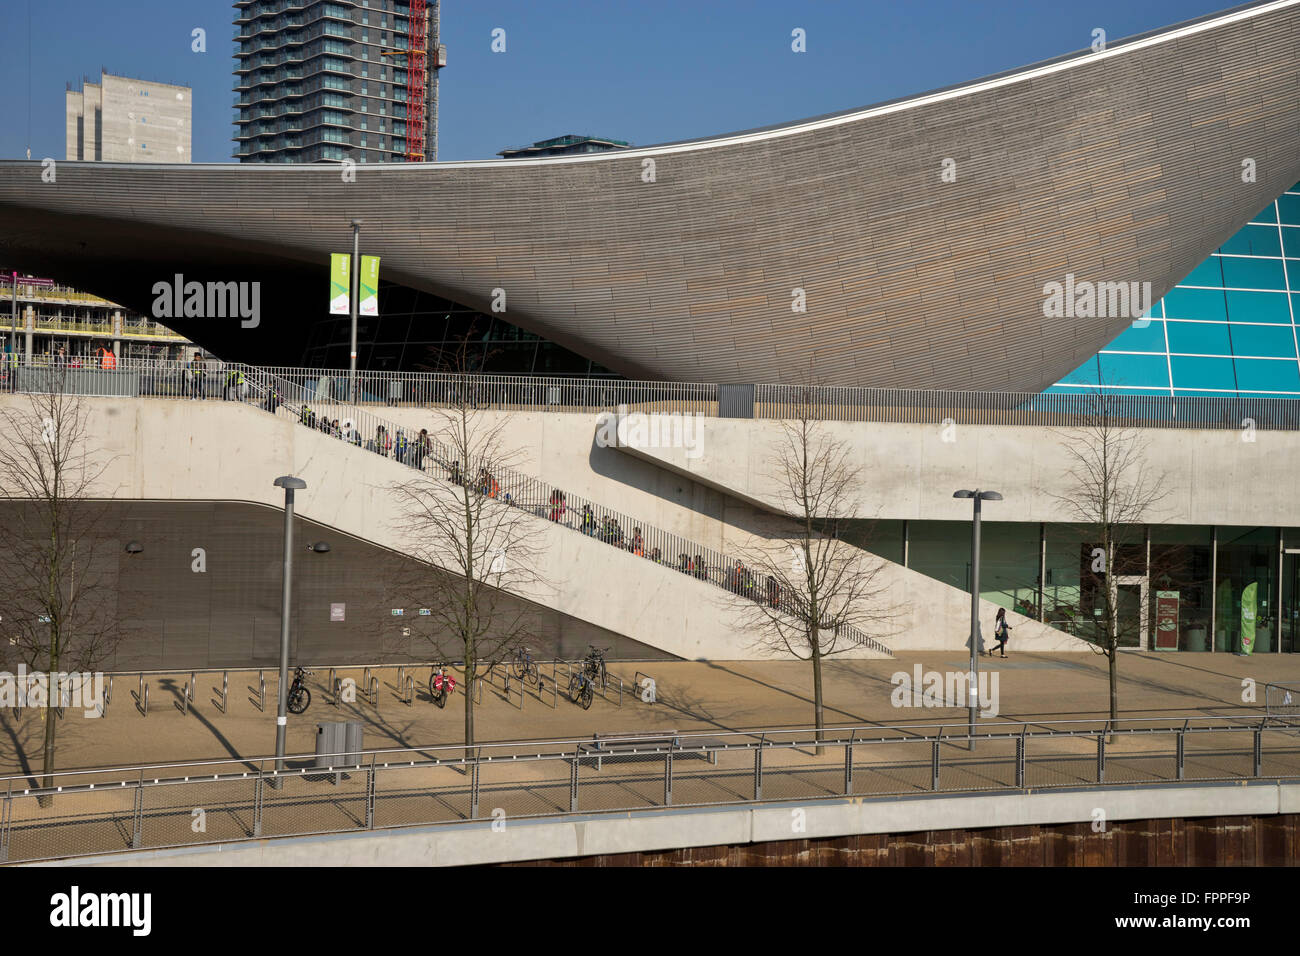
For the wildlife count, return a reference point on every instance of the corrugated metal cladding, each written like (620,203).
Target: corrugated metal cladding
(1124,167)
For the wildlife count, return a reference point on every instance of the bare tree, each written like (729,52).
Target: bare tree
(59,563)
(810,593)
(474,533)
(1112,493)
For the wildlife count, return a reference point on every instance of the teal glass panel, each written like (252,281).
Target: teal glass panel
(1195,304)
(1289,206)
(1258,307)
(1263,340)
(1134,370)
(1203,373)
(1268,375)
(1199,338)
(1252,273)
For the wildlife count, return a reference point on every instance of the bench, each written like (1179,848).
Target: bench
(637,747)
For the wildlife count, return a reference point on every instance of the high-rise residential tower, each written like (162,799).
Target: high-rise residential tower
(125,120)
(333,80)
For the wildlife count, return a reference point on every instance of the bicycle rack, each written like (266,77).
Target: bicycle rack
(261,691)
(637,677)
(187,695)
(410,691)
(333,686)
(144,701)
(225,690)
(374,691)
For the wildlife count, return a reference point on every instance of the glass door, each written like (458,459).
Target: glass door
(1290,623)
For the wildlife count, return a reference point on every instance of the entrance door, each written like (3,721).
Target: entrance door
(1290,617)
(1131,611)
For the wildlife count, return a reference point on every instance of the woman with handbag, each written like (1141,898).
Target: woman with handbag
(1001,631)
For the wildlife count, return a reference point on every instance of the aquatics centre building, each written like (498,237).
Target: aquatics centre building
(1119,218)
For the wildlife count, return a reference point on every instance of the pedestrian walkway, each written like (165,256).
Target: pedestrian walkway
(690,696)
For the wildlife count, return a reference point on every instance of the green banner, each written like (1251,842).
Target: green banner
(1248,617)
(340,281)
(369,285)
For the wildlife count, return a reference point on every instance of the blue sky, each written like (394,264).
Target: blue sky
(646,72)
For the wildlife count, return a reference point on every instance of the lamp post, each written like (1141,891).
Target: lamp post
(972,692)
(290,484)
(356,294)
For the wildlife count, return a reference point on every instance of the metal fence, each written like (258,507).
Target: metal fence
(197,803)
(831,403)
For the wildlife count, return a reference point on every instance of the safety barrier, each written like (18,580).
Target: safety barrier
(161,377)
(83,811)
(1282,701)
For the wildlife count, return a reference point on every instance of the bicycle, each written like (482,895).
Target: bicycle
(524,666)
(299,697)
(441,685)
(593,665)
(581,690)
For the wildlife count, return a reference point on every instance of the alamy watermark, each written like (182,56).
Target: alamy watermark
(639,430)
(945,689)
(67,689)
(179,299)
(1082,299)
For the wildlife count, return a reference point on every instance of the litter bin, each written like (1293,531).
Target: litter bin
(331,740)
(354,741)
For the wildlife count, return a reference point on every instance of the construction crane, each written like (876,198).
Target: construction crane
(422,80)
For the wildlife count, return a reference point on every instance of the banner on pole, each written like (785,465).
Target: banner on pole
(340,280)
(1248,617)
(369,285)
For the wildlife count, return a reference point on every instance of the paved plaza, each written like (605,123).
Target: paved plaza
(710,697)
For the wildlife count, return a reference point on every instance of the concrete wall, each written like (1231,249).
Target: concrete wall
(598,835)
(212,450)
(561,449)
(910,471)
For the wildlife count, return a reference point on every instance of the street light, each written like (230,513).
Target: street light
(290,484)
(972,691)
(356,293)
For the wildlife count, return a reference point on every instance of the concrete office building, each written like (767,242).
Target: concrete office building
(122,119)
(324,80)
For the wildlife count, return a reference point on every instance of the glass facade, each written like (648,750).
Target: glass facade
(1171,580)
(420,332)
(1229,328)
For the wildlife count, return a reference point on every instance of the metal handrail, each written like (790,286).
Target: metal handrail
(774,401)
(709,740)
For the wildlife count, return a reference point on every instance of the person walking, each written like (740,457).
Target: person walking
(421,448)
(1001,631)
(196,376)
